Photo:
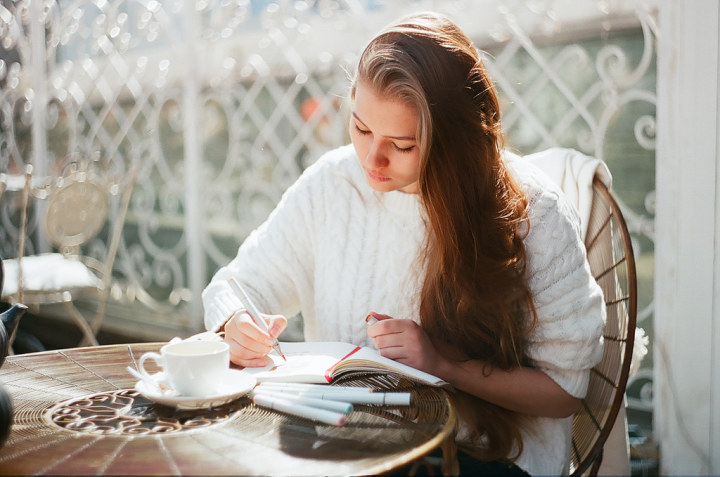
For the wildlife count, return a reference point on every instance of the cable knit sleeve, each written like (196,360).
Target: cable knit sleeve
(273,264)
(567,341)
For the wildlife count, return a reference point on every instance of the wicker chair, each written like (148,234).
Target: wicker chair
(76,208)
(611,259)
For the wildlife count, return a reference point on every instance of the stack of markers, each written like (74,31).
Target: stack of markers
(321,402)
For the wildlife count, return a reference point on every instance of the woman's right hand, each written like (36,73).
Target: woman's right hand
(249,345)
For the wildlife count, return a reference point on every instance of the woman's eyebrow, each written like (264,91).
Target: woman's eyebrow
(397,138)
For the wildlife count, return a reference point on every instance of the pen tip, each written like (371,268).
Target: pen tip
(283,356)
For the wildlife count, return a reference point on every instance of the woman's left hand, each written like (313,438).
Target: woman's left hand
(404,341)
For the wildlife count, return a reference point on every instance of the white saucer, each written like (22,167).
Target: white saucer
(233,385)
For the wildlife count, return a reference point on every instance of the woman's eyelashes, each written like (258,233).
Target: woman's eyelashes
(403,149)
(365,132)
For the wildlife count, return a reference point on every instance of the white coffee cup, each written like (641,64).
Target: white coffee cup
(193,368)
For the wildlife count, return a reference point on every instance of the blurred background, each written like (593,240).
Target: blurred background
(220,104)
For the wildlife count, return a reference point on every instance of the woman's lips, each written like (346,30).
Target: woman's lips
(377,177)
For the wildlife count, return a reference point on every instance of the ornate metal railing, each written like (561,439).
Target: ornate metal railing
(222,104)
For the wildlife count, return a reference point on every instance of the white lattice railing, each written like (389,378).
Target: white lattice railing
(222,104)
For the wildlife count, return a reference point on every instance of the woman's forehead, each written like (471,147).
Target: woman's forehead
(391,117)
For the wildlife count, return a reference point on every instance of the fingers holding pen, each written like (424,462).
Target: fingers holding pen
(276,324)
(379,324)
(374,317)
(249,345)
(389,338)
(402,340)
(385,332)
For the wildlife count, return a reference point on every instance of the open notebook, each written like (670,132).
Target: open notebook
(323,361)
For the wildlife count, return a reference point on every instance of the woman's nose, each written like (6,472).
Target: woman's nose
(376,156)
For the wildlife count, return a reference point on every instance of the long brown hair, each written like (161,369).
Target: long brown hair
(475,299)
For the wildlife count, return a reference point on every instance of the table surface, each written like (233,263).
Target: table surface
(76,412)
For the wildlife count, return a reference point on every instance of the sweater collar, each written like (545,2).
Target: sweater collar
(400,203)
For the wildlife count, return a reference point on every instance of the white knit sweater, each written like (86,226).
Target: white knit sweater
(335,249)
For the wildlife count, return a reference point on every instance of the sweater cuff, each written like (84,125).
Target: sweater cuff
(574,382)
(223,306)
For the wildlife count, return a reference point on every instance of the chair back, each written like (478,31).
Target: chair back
(76,212)
(27,187)
(610,254)
(76,207)
(3,184)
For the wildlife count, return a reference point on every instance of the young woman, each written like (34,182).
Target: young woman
(470,258)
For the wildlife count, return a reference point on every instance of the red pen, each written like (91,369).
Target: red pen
(375,317)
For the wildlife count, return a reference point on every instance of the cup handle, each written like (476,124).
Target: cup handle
(141,366)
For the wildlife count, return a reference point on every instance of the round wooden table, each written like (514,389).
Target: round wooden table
(76,412)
